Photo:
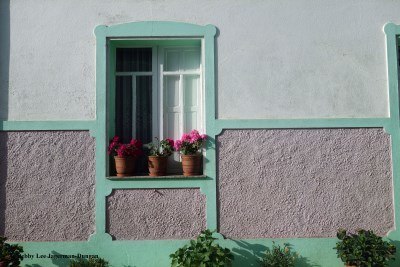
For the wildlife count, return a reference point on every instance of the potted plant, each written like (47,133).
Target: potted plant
(189,146)
(279,257)
(125,155)
(158,156)
(10,254)
(363,249)
(202,252)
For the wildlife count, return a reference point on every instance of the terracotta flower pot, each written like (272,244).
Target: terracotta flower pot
(346,265)
(191,164)
(125,166)
(157,165)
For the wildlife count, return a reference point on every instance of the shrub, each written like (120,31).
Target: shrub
(363,249)
(10,254)
(279,257)
(202,252)
(92,262)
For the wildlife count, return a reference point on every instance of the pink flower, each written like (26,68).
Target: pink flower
(177,145)
(121,151)
(136,143)
(194,132)
(185,137)
(203,136)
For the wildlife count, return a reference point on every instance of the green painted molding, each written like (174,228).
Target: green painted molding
(303,123)
(48,126)
(392,32)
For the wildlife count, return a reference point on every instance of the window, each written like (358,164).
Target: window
(157,36)
(156,90)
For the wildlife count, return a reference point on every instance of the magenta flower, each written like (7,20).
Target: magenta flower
(170,141)
(134,148)
(190,143)
(177,145)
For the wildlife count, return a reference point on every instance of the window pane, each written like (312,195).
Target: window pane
(133,114)
(144,112)
(134,59)
(123,107)
(191,88)
(190,121)
(191,60)
(172,58)
(172,107)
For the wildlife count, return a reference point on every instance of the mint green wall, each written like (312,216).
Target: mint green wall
(136,253)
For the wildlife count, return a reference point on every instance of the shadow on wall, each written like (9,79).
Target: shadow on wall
(397,255)
(251,254)
(3,178)
(4,57)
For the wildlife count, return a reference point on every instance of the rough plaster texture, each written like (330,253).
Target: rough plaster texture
(46,185)
(304,183)
(285,62)
(156,213)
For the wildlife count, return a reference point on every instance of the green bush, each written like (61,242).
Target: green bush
(363,249)
(92,262)
(279,257)
(202,252)
(10,254)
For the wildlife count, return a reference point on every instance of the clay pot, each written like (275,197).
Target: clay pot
(346,265)
(191,164)
(3,264)
(157,165)
(125,166)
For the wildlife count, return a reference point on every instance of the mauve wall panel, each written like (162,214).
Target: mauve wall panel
(304,183)
(47,185)
(138,214)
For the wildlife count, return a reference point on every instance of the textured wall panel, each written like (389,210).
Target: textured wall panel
(304,183)
(156,213)
(46,185)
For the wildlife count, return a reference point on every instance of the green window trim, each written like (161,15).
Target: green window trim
(144,32)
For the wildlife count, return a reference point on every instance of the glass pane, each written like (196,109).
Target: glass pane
(173,119)
(123,107)
(190,121)
(172,60)
(191,60)
(143,129)
(172,91)
(134,59)
(191,89)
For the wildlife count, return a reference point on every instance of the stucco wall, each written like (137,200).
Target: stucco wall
(275,59)
(155,213)
(304,183)
(46,185)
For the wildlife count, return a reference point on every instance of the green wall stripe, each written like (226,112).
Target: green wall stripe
(47,125)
